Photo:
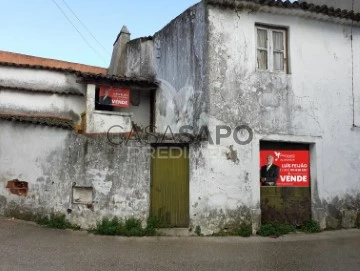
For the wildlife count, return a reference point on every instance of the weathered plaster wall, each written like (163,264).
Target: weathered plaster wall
(140,58)
(52,161)
(41,92)
(40,80)
(313,101)
(24,150)
(355,52)
(221,195)
(141,113)
(42,103)
(179,51)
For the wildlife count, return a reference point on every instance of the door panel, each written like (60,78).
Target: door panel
(170,186)
(285,205)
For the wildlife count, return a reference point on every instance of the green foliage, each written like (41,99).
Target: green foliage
(57,221)
(132,227)
(357,222)
(311,226)
(108,227)
(152,224)
(244,230)
(198,230)
(129,227)
(22,215)
(42,220)
(221,233)
(275,229)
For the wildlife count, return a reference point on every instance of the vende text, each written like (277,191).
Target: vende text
(294,179)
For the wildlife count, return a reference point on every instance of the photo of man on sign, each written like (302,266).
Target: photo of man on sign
(285,168)
(114,96)
(105,99)
(269,173)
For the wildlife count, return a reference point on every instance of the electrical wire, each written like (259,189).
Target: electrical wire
(86,28)
(77,30)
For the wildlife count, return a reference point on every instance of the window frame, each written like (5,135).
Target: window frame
(116,111)
(98,106)
(270,50)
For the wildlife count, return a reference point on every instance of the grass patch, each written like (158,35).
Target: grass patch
(198,230)
(357,222)
(275,229)
(108,227)
(56,221)
(152,224)
(243,230)
(25,215)
(311,226)
(221,233)
(128,227)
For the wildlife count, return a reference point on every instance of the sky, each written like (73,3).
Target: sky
(39,27)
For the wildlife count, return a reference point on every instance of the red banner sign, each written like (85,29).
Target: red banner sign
(119,97)
(294,167)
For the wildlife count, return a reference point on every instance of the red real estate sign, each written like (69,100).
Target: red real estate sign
(294,167)
(119,97)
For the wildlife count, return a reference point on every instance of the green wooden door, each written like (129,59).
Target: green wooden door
(285,205)
(170,186)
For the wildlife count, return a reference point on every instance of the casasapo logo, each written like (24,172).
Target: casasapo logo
(186,134)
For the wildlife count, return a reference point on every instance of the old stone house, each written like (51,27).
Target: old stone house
(254,77)
(288,75)
(55,156)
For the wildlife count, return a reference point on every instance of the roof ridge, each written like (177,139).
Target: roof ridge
(40,119)
(12,64)
(23,59)
(48,58)
(305,6)
(7,87)
(36,115)
(90,75)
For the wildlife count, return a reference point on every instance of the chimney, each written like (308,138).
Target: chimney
(119,55)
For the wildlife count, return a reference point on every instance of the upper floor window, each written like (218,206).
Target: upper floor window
(108,98)
(271,49)
(136,103)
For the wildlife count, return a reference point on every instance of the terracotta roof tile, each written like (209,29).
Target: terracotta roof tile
(46,120)
(138,81)
(88,76)
(15,58)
